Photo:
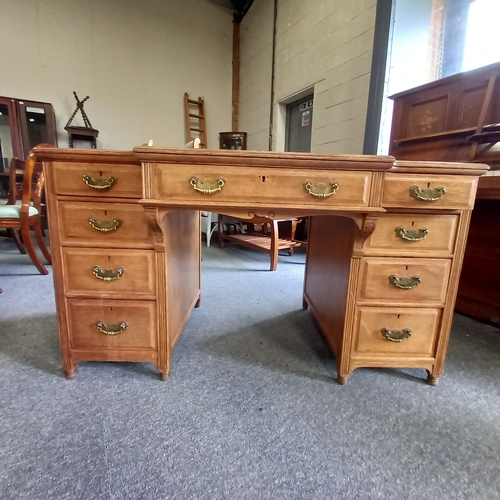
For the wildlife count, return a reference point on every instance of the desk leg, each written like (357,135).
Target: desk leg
(432,379)
(70,373)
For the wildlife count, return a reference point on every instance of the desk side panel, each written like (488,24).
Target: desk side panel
(181,229)
(330,243)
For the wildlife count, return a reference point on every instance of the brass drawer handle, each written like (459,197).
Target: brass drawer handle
(105,226)
(396,335)
(112,328)
(321,190)
(208,186)
(404,283)
(412,234)
(108,274)
(427,194)
(99,182)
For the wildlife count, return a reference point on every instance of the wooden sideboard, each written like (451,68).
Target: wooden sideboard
(385,247)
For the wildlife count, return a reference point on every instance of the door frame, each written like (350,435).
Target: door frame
(281,122)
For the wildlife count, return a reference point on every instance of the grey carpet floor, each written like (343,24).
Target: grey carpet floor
(251,409)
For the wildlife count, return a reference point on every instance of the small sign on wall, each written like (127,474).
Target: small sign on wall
(306,118)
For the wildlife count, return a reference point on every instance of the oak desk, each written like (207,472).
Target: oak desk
(386,243)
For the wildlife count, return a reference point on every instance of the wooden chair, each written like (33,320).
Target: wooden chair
(27,214)
(16,172)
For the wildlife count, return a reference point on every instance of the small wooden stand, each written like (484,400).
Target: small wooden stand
(86,133)
(82,134)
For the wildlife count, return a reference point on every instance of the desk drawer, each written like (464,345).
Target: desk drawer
(429,191)
(414,234)
(129,324)
(110,273)
(416,330)
(263,186)
(104,225)
(404,281)
(97,180)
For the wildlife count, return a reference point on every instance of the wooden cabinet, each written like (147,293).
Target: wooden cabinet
(23,125)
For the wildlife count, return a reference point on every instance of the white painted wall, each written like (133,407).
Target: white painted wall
(134,58)
(321,44)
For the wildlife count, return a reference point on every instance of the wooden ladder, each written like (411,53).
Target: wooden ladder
(195,119)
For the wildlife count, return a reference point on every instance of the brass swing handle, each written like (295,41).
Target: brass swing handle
(427,194)
(404,283)
(105,226)
(208,186)
(412,234)
(321,190)
(112,328)
(396,335)
(99,182)
(108,274)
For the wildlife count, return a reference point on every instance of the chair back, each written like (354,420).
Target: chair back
(33,184)
(15,165)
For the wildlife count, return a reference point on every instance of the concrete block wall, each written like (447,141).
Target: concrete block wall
(256,36)
(321,45)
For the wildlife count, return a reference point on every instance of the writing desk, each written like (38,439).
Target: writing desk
(385,247)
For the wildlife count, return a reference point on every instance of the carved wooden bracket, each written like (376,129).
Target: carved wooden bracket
(365,230)
(154,216)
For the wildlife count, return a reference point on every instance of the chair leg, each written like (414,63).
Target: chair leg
(220,224)
(17,240)
(293,230)
(211,230)
(28,243)
(41,242)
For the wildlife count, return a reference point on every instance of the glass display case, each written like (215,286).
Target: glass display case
(23,125)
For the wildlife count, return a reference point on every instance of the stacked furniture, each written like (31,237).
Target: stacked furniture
(385,247)
(458,119)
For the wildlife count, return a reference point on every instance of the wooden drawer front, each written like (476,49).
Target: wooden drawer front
(460,191)
(75,224)
(420,340)
(132,272)
(69,179)
(376,286)
(140,318)
(263,185)
(414,234)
